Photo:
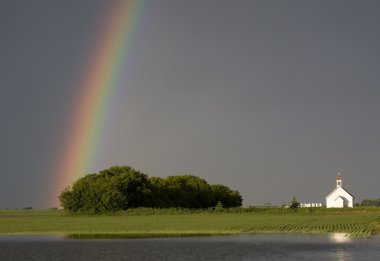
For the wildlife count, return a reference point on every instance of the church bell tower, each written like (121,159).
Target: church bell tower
(338,180)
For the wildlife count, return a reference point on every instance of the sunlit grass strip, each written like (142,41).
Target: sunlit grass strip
(358,231)
(174,223)
(157,234)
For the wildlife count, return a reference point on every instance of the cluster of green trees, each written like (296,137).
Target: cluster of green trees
(120,188)
(371,202)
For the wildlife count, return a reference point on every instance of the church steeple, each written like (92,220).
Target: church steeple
(338,180)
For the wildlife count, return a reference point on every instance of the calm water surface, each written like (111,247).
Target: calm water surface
(240,247)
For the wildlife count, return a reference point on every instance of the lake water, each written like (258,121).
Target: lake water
(239,247)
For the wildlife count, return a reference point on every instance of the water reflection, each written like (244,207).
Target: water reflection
(238,247)
(340,238)
(341,253)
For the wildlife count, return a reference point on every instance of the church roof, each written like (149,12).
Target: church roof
(340,197)
(336,190)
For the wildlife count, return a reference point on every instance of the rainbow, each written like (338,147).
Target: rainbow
(100,80)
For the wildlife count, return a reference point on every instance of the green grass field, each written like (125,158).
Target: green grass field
(149,223)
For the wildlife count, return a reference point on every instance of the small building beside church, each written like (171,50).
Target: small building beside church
(339,197)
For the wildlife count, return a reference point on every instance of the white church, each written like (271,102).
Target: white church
(339,197)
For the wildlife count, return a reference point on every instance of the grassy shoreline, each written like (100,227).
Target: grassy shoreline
(172,222)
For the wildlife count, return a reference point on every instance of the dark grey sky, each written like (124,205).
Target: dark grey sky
(271,98)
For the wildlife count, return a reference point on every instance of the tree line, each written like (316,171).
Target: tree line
(371,202)
(122,187)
